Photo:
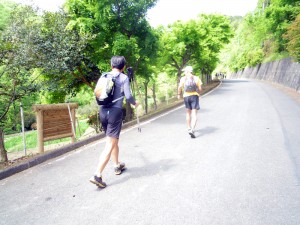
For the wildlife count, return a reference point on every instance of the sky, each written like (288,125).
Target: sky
(168,11)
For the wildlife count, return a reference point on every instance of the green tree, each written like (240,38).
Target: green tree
(119,28)
(64,57)
(17,78)
(179,43)
(196,42)
(247,48)
(218,33)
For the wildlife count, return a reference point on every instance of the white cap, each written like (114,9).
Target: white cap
(188,69)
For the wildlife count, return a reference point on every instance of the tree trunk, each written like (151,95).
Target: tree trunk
(146,96)
(15,116)
(3,153)
(137,88)
(178,78)
(154,97)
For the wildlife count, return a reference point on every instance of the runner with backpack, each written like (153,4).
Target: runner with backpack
(110,91)
(191,86)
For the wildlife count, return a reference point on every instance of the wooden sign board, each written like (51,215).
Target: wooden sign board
(54,122)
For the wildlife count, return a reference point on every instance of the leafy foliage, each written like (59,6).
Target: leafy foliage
(5,8)
(119,28)
(262,35)
(16,56)
(196,42)
(64,56)
(293,38)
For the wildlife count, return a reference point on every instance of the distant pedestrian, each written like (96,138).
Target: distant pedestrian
(191,85)
(111,119)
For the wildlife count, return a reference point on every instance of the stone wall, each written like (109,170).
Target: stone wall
(284,72)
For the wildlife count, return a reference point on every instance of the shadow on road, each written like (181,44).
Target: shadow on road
(148,169)
(204,131)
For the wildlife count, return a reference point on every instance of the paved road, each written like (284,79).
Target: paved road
(243,168)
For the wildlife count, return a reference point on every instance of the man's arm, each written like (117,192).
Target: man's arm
(199,85)
(128,93)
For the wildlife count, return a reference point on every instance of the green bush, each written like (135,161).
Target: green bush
(86,110)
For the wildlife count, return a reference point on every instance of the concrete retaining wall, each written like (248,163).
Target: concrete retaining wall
(284,72)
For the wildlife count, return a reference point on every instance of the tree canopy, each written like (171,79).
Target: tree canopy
(119,27)
(196,42)
(16,56)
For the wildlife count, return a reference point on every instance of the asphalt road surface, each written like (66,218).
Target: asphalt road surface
(242,168)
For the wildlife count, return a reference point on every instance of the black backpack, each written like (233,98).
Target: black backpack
(190,84)
(106,84)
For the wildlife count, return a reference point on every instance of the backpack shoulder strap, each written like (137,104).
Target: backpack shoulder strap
(104,74)
(117,74)
(109,73)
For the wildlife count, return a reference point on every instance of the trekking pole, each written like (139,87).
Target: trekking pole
(138,121)
(130,74)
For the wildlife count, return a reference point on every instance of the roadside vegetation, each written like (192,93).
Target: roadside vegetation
(14,142)
(271,32)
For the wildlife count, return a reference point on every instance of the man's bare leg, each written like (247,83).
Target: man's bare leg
(191,119)
(115,154)
(194,119)
(188,118)
(103,160)
(119,167)
(111,143)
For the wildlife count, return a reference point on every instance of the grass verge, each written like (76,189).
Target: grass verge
(14,143)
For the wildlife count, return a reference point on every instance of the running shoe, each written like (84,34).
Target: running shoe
(191,133)
(119,168)
(98,181)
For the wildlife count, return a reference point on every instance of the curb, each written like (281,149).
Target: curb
(73,146)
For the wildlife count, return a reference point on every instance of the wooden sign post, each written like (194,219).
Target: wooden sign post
(54,122)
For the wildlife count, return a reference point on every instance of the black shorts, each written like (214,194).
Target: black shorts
(192,102)
(111,120)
